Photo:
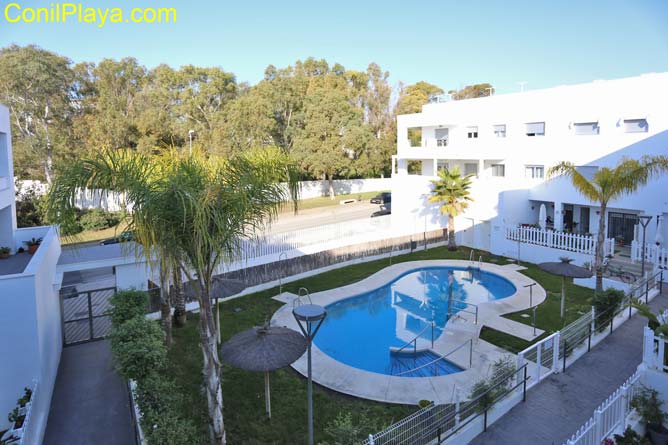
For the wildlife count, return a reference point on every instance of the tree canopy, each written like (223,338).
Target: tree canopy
(337,122)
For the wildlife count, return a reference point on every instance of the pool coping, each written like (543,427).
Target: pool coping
(347,379)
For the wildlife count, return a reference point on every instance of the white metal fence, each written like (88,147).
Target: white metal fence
(542,358)
(653,254)
(571,242)
(609,416)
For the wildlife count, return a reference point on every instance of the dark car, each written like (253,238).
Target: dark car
(382,198)
(122,238)
(384,210)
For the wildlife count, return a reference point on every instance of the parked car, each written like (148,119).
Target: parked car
(382,198)
(385,209)
(122,238)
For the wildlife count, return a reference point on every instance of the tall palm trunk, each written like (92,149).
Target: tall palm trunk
(178,298)
(211,365)
(599,248)
(165,305)
(452,245)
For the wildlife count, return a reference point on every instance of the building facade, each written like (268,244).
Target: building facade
(509,142)
(30,321)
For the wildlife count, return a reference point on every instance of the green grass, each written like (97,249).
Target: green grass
(325,201)
(244,391)
(94,235)
(578,302)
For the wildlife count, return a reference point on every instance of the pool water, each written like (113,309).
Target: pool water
(359,331)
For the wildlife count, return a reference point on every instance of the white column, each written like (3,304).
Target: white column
(558,216)
(481,167)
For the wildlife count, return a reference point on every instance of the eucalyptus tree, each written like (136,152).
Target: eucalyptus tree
(452,192)
(608,184)
(38,88)
(194,212)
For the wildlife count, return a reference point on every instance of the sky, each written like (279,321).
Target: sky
(448,43)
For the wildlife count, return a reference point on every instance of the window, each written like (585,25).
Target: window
(500,131)
(536,129)
(471,168)
(534,171)
(442,165)
(585,128)
(635,125)
(498,170)
(441,137)
(472,132)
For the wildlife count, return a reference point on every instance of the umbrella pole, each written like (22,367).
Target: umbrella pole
(563,296)
(267,394)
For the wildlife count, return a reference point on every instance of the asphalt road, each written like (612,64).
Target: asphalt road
(288,221)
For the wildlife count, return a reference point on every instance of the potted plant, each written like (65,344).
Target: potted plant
(17,420)
(33,244)
(25,400)
(648,406)
(4,252)
(630,437)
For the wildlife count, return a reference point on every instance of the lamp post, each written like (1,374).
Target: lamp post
(190,136)
(644,221)
(309,318)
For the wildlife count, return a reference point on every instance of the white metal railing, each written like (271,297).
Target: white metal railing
(542,358)
(571,242)
(653,254)
(609,416)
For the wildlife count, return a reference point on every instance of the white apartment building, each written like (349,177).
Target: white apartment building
(510,141)
(30,322)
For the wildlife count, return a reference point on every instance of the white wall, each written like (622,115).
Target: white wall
(31,329)
(315,189)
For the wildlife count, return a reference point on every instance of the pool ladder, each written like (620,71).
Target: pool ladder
(301,293)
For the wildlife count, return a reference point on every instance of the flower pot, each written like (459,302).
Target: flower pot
(4,256)
(33,248)
(658,434)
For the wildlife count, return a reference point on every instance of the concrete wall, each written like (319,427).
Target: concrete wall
(30,321)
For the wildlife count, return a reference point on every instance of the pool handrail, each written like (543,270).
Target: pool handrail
(442,357)
(455,300)
(414,340)
(298,301)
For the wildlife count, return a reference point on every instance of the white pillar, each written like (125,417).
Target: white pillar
(555,351)
(481,167)
(558,216)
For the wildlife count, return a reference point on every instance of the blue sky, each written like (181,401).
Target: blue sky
(449,43)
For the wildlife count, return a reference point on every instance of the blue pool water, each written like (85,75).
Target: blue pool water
(360,330)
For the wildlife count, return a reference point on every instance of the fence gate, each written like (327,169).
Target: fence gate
(85,314)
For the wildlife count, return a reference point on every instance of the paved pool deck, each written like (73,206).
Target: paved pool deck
(459,334)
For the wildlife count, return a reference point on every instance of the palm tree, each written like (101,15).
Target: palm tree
(452,192)
(608,184)
(190,212)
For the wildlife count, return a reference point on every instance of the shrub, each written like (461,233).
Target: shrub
(343,431)
(98,219)
(648,406)
(630,437)
(486,391)
(127,305)
(138,347)
(29,209)
(159,402)
(606,304)
(171,430)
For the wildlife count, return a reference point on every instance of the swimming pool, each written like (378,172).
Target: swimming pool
(359,331)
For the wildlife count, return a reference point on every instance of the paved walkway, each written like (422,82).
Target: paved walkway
(559,405)
(90,402)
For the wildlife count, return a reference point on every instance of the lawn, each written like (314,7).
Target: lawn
(244,391)
(325,201)
(94,235)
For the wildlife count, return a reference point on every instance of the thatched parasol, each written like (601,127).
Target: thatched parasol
(565,269)
(264,348)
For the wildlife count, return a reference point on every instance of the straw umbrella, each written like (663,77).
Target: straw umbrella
(565,269)
(264,348)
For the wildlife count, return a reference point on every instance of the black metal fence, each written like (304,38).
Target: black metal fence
(85,314)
